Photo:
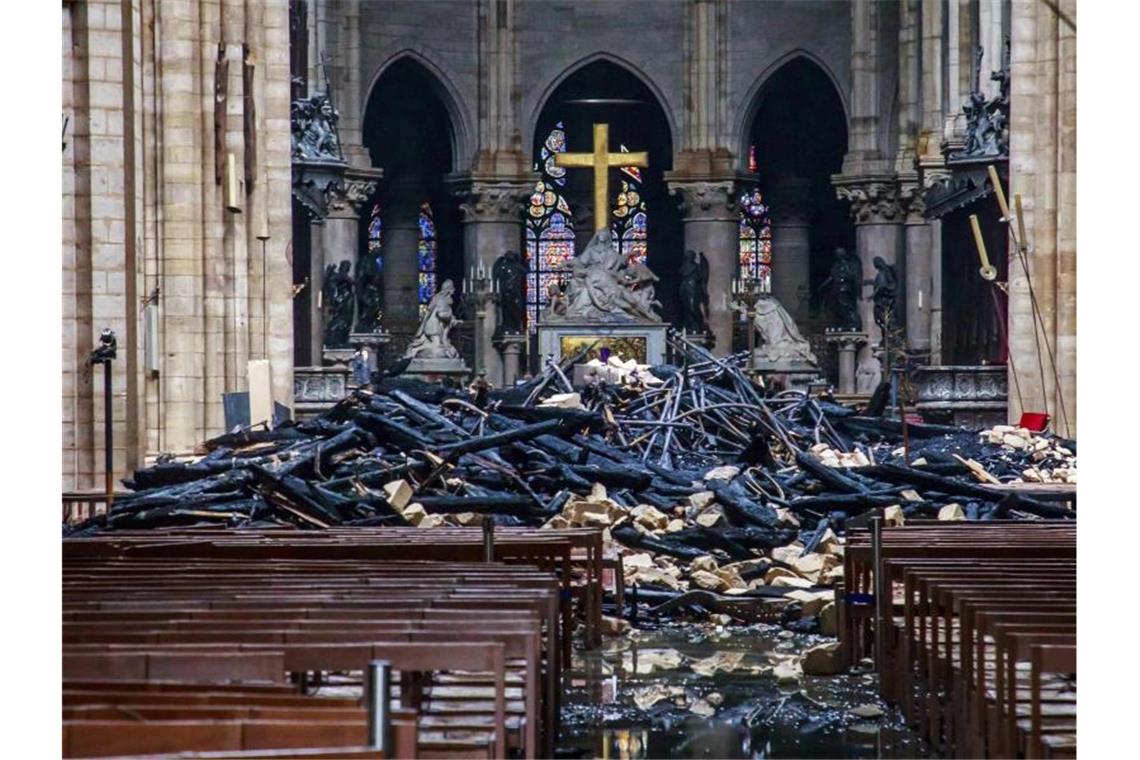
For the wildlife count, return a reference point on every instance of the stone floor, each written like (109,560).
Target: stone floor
(702,691)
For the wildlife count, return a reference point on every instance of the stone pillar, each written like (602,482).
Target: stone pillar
(790,210)
(878,232)
(336,238)
(400,273)
(492,213)
(511,347)
(1043,169)
(847,344)
(918,243)
(712,225)
(349,101)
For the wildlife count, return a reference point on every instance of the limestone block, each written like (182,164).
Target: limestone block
(829,620)
(822,659)
(951,512)
(398,493)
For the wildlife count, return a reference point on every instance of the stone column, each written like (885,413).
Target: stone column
(400,273)
(789,203)
(1043,169)
(511,347)
(349,101)
(918,243)
(878,232)
(712,225)
(492,212)
(336,238)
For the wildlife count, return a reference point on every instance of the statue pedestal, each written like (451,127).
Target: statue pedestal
(798,375)
(510,345)
(437,370)
(643,342)
(337,356)
(847,343)
(318,389)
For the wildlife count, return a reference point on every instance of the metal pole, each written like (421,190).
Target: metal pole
(488,539)
(108,438)
(264,303)
(377,696)
(877,579)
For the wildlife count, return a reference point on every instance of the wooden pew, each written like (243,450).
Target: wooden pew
(965,608)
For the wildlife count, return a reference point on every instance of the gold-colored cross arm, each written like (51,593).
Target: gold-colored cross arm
(600,160)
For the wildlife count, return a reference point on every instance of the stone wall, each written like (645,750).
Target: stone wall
(144,220)
(1043,164)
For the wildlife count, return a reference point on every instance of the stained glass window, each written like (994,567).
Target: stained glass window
(549,228)
(755,239)
(630,220)
(376,237)
(426,257)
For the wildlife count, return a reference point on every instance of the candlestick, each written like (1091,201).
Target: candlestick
(998,191)
(987,271)
(1020,222)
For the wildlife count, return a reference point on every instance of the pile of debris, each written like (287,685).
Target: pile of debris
(717,495)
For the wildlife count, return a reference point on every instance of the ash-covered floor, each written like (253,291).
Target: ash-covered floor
(701,690)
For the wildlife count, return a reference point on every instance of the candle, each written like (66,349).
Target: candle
(996,182)
(1020,222)
(987,271)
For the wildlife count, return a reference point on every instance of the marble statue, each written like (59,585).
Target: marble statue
(782,341)
(884,293)
(509,275)
(604,288)
(431,339)
(337,297)
(694,292)
(845,281)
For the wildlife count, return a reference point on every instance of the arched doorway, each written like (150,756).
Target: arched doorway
(559,219)
(796,139)
(411,238)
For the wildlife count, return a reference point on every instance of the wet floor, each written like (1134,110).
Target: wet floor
(698,691)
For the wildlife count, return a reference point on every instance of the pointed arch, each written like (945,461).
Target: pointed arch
(443,85)
(539,103)
(750,105)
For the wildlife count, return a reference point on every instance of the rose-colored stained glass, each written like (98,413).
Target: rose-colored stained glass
(630,223)
(549,228)
(755,239)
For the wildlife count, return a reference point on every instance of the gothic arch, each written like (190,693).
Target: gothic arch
(540,102)
(462,137)
(746,114)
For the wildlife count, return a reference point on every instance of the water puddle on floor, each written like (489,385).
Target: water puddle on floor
(697,691)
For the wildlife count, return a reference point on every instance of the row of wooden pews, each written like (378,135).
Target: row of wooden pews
(232,641)
(978,622)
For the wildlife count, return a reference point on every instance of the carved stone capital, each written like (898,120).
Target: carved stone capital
(913,203)
(491,200)
(874,200)
(705,199)
(347,197)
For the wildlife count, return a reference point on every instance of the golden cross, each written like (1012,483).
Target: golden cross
(601,160)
